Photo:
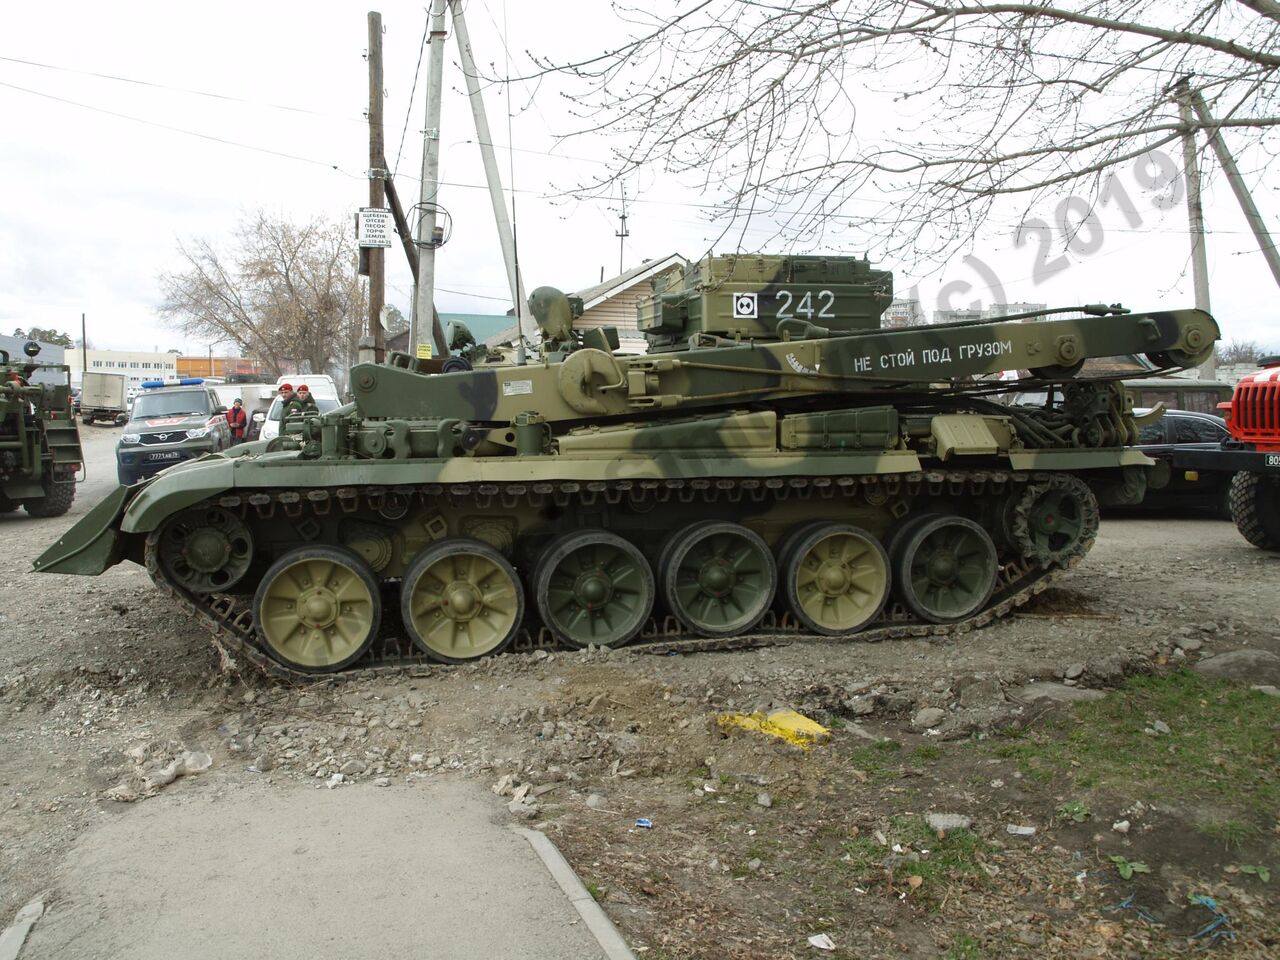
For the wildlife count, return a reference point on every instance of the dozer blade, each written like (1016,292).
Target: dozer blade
(94,543)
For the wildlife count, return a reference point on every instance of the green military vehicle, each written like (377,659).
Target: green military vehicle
(39,444)
(776,463)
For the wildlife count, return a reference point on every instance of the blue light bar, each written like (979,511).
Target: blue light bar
(184,382)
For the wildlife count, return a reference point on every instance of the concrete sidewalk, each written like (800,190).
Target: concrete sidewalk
(283,871)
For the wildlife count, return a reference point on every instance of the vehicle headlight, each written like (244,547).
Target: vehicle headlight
(197,433)
(131,438)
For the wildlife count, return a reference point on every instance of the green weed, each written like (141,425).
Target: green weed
(1232,833)
(1127,868)
(1223,746)
(1074,810)
(964,947)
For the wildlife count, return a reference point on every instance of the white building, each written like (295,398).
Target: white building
(136,365)
(902,312)
(964,314)
(976,311)
(613,303)
(998,310)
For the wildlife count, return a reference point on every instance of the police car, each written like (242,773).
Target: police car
(171,421)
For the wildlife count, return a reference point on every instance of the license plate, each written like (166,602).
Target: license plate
(1273,459)
(173,455)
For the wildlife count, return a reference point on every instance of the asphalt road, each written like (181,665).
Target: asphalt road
(305,871)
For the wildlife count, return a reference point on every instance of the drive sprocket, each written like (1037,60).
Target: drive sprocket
(1054,519)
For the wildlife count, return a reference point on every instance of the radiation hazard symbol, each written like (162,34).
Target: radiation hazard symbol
(744,306)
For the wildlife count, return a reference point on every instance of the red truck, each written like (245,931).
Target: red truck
(1253,417)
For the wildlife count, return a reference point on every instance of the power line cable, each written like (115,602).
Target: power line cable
(223,140)
(183,130)
(413,92)
(187,90)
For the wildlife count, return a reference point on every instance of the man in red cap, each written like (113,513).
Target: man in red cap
(286,398)
(306,403)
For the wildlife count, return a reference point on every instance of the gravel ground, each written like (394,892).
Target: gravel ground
(109,695)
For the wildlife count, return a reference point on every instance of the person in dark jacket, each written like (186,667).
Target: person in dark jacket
(306,402)
(237,421)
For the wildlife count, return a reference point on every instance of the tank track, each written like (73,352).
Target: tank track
(230,621)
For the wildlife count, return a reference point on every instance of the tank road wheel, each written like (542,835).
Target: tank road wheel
(834,578)
(1255,507)
(205,549)
(1055,519)
(593,587)
(718,578)
(944,567)
(460,600)
(317,609)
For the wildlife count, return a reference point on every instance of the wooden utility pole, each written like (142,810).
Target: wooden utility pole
(377,258)
(402,228)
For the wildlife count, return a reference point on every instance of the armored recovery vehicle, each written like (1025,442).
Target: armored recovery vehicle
(39,443)
(775,462)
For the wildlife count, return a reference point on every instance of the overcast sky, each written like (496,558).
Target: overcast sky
(261,105)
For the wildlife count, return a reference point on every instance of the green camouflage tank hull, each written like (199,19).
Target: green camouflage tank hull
(777,463)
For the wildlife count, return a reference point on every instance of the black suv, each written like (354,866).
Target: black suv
(1174,440)
(170,423)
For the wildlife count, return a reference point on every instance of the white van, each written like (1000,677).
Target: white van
(320,385)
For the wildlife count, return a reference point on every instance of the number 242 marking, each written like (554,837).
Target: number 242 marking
(804,308)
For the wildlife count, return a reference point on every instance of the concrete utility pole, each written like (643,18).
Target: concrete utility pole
(1238,186)
(622,233)
(506,237)
(1195,213)
(377,256)
(84,351)
(424,295)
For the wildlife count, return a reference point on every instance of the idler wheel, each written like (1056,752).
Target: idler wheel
(1054,519)
(718,578)
(205,549)
(460,600)
(944,567)
(834,577)
(317,609)
(593,587)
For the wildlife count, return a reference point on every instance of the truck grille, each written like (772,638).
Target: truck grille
(169,436)
(1255,412)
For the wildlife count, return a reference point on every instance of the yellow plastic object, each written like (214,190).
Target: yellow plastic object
(794,728)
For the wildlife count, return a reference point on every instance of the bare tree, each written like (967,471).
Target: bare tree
(759,100)
(1239,351)
(286,293)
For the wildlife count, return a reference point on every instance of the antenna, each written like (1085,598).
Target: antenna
(623,232)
